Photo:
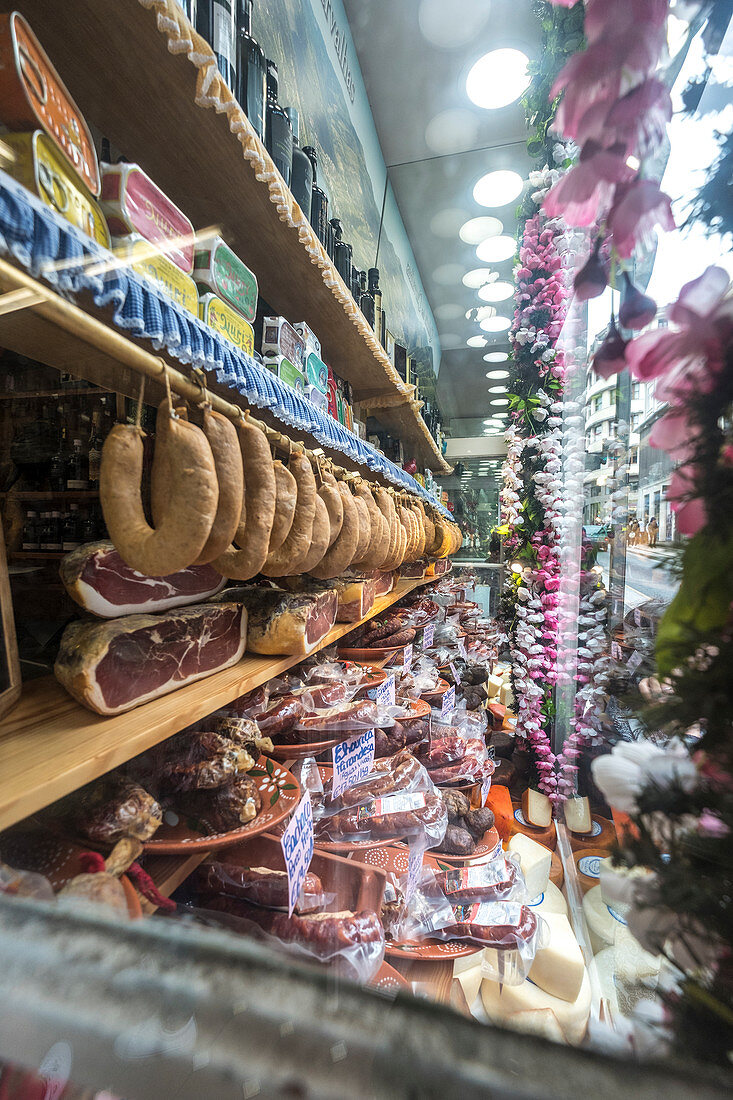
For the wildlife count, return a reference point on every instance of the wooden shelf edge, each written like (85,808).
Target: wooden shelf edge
(50,745)
(168,873)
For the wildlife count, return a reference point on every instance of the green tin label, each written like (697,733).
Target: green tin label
(227,276)
(291,375)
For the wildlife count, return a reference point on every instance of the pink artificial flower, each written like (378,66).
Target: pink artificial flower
(637,209)
(709,824)
(592,278)
(636,309)
(674,434)
(587,189)
(610,356)
(727,455)
(648,17)
(690,510)
(638,120)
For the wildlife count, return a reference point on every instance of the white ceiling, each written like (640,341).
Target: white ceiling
(415,56)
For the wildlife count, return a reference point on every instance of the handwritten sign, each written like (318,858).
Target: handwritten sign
(414,869)
(407,658)
(462,647)
(485,788)
(637,616)
(449,702)
(616,651)
(352,761)
(297,846)
(634,661)
(385,693)
(427,636)
(456,673)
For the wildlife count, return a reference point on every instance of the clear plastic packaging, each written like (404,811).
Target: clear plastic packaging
(499,880)
(401,772)
(474,766)
(261,886)
(24,884)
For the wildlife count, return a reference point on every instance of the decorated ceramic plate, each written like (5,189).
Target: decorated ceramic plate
(389,981)
(279,792)
(437,694)
(487,848)
(59,860)
(309,748)
(374,654)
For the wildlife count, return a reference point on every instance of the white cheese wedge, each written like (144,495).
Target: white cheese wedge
(471,982)
(603,921)
(551,900)
(503,1004)
(493,686)
(559,968)
(535,861)
(538,1021)
(506,695)
(537,809)
(577,815)
(466,962)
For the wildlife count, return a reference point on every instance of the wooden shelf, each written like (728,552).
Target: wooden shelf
(117,58)
(38,555)
(50,746)
(89,391)
(168,872)
(37,494)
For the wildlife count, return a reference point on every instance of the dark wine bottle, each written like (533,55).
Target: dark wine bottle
(319,202)
(366,299)
(216,22)
(341,252)
(301,183)
(251,70)
(376,294)
(278,131)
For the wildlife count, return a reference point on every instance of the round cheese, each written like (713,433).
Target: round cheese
(550,901)
(511,1004)
(603,921)
(588,863)
(557,874)
(519,824)
(602,835)
(603,970)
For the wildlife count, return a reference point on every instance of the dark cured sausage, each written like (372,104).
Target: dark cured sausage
(258,885)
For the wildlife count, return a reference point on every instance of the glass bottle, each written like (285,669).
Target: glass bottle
(216,22)
(54,543)
(95,450)
(341,252)
(89,526)
(301,183)
(31,540)
(57,473)
(278,131)
(376,294)
(77,471)
(189,9)
(71,530)
(366,299)
(251,70)
(355,284)
(319,202)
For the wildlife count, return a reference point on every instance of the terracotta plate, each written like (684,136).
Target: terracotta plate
(439,692)
(280,794)
(374,654)
(308,748)
(489,844)
(389,981)
(59,860)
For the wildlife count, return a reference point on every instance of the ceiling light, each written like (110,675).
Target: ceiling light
(497,389)
(495,292)
(496,357)
(479,229)
(447,311)
(477,277)
(452,131)
(492,431)
(500,401)
(448,273)
(495,324)
(497,373)
(489,421)
(476,341)
(497,249)
(447,222)
(480,313)
(498,79)
(498,188)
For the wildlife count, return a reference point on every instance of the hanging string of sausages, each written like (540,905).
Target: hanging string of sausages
(219,495)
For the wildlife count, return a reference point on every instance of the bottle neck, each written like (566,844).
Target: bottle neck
(272,84)
(245,17)
(311,154)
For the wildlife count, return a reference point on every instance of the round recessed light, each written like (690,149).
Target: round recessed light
(480,313)
(498,188)
(476,341)
(500,401)
(447,222)
(477,277)
(497,389)
(448,311)
(496,324)
(495,292)
(491,431)
(497,374)
(452,131)
(498,79)
(497,249)
(450,34)
(449,340)
(448,273)
(479,229)
(490,421)
(496,357)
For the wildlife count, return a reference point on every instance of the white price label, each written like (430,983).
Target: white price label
(385,693)
(414,869)
(634,661)
(456,674)
(407,658)
(352,761)
(449,702)
(297,846)
(460,595)
(485,788)
(637,616)
(462,647)
(616,651)
(427,636)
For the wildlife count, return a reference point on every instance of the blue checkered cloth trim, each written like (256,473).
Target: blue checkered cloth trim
(39,240)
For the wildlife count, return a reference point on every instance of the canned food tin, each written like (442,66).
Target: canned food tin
(280,338)
(227,322)
(317,398)
(159,269)
(216,268)
(36,162)
(311,341)
(286,372)
(33,95)
(132,203)
(316,372)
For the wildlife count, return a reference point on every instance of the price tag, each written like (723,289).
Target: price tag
(634,661)
(407,658)
(449,702)
(485,788)
(462,647)
(427,636)
(414,869)
(297,846)
(352,761)
(616,651)
(456,674)
(637,616)
(385,693)
(460,595)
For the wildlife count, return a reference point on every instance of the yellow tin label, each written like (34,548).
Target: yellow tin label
(148,261)
(226,321)
(40,166)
